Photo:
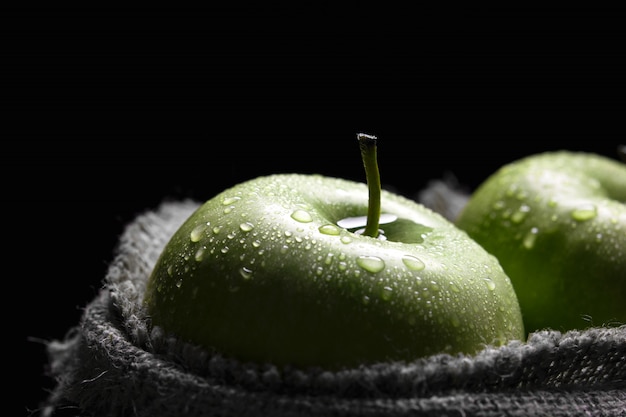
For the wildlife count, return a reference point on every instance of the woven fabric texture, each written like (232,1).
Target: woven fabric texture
(113,364)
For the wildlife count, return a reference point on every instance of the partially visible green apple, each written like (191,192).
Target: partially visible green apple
(304,270)
(556,221)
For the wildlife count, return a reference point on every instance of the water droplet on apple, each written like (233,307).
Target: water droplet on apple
(284,249)
(530,238)
(366,300)
(217,229)
(490,284)
(196,233)
(200,254)
(345,239)
(225,249)
(454,288)
(246,227)
(371,264)
(520,214)
(229,209)
(499,205)
(584,212)
(301,216)
(353,222)
(361,221)
(386,293)
(413,263)
(256,243)
(329,229)
(246,273)
(230,200)
(179,283)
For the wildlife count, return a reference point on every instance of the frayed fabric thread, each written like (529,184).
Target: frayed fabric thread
(113,363)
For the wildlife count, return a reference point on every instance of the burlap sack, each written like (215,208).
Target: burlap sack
(112,364)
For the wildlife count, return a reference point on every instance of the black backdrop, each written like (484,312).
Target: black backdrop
(110,111)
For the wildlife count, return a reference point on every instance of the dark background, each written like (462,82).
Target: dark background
(109,111)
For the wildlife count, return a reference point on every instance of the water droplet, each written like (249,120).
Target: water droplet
(170,270)
(330,229)
(229,209)
(200,254)
(413,263)
(217,229)
(456,322)
(360,221)
(352,222)
(499,205)
(387,218)
(245,272)
(530,238)
(225,249)
(230,200)
(490,284)
(454,287)
(520,214)
(372,264)
(246,227)
(329,259)
(386,293)
(196,233)
(366,300)
(584,212)
(346,239)
(284,249)
(301,216)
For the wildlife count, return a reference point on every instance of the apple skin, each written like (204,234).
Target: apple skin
(556,221)
(261,272)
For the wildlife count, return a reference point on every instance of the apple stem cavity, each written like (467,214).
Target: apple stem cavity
(368,146)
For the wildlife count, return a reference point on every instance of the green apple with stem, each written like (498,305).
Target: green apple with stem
(312,271)
(556,221)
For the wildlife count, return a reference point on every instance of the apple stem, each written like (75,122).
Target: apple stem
(367,143)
